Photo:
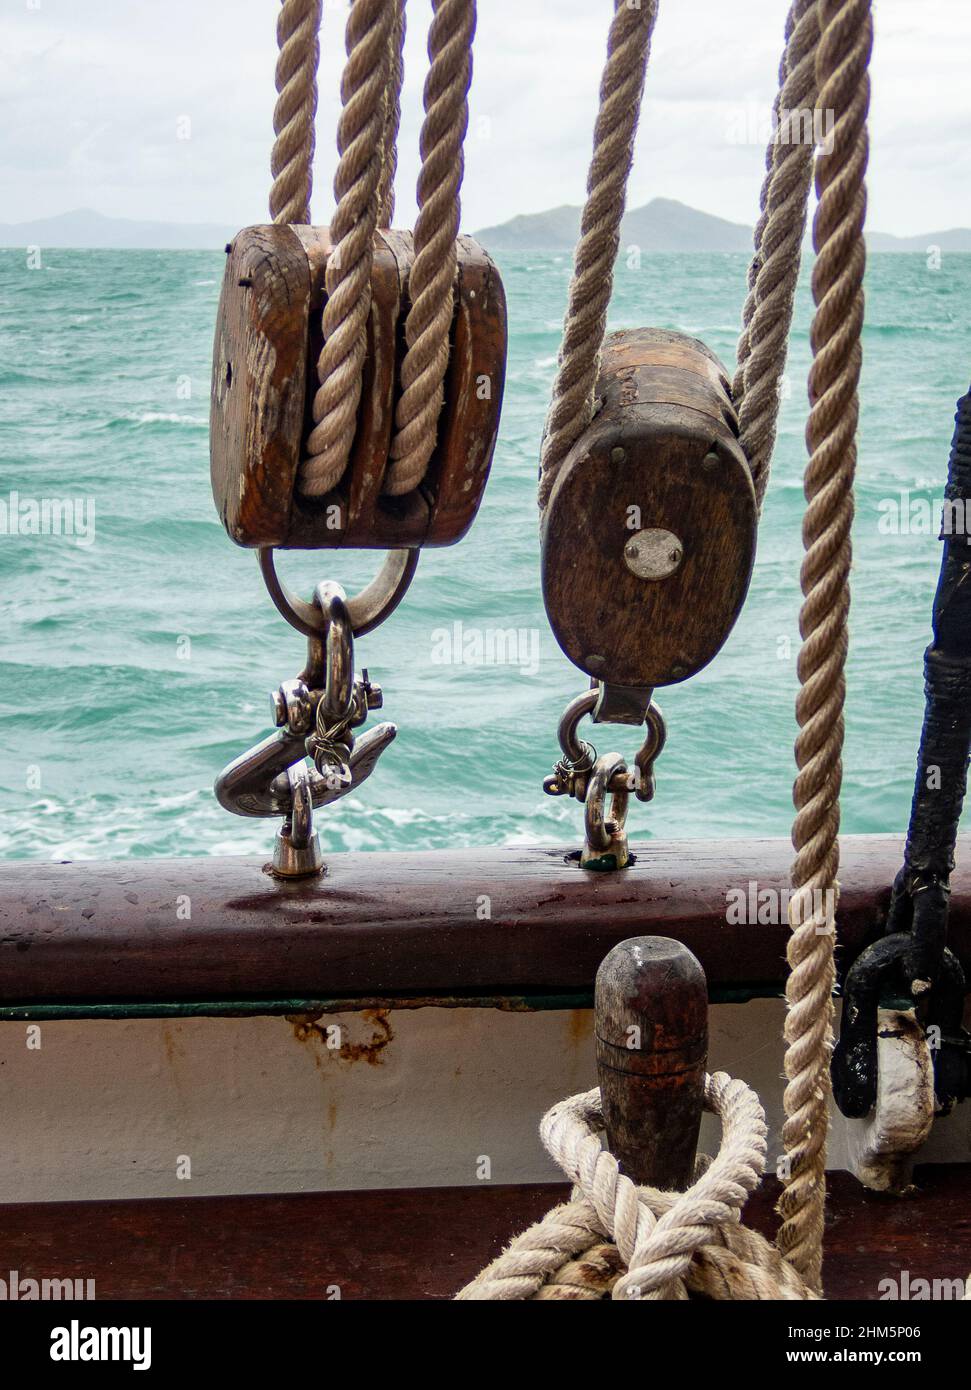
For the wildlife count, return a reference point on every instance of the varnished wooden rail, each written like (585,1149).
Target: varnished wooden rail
(520,927)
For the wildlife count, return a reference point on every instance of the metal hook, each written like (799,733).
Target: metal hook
(318,713)
(256,783)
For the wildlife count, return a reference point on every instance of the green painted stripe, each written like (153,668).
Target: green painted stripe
(252,1008)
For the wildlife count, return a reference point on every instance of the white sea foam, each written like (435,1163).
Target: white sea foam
(158,417)
(129,753)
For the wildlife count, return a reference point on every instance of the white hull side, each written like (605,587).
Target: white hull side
(112,1109)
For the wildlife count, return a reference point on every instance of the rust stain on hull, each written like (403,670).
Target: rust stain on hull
(168,1043)
(308,1028)
(579,1026)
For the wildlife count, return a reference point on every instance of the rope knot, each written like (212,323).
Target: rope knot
(614,1238)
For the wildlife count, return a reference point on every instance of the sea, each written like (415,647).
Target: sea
(137,654)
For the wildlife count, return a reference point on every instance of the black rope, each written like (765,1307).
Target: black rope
(920,898)
(911,964)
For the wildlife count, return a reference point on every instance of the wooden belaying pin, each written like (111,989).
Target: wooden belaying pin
(651,1020)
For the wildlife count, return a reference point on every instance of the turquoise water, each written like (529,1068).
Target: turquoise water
(113,725)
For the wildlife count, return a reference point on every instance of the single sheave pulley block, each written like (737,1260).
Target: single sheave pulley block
(268,340)
(649,533)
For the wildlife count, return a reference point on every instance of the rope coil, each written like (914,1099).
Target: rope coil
(616,1239)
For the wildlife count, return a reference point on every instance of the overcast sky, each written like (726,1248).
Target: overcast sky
(94,94)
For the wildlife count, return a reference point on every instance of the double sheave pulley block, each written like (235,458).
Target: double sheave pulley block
(648,537)
(268,341)
(269,337)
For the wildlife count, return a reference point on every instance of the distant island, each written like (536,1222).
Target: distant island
(660,225)
(86,230)
(666,225)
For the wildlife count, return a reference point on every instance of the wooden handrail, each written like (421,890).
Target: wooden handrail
(487,925)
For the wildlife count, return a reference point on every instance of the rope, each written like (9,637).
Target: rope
(637,1242)
(291,162)
(621,90)
(360,137)
(774,271)
(842,60)
(392,118)
(432,277)
(824,67)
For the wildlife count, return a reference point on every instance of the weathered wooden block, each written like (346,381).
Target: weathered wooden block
(649,533)
(268,339)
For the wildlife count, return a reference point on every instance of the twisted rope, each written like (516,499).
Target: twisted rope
(846,39)
(774,271)
(291,163)
(432,277)
(392,118)
(621,90)
(662,1245)
(360,142)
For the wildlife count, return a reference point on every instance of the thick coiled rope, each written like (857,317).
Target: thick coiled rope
(774,271)
(842,61)
(291,163)
(616,1239)
(621,90)
(432,278)
(360,142)
(392,118)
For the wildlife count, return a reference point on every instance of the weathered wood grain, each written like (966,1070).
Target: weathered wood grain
(391,924)
(268,339)
(651,1023)
(662,454)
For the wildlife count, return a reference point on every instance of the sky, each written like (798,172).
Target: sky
(97,98)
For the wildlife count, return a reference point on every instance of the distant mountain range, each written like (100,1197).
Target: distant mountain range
(660,225)
(666,225)
(86,229)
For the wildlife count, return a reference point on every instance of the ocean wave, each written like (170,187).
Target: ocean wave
(159,417)
(129,736)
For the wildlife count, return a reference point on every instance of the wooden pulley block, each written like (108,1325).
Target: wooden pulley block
(649,533)
(268,340)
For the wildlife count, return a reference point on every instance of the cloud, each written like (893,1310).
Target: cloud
(94,93)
